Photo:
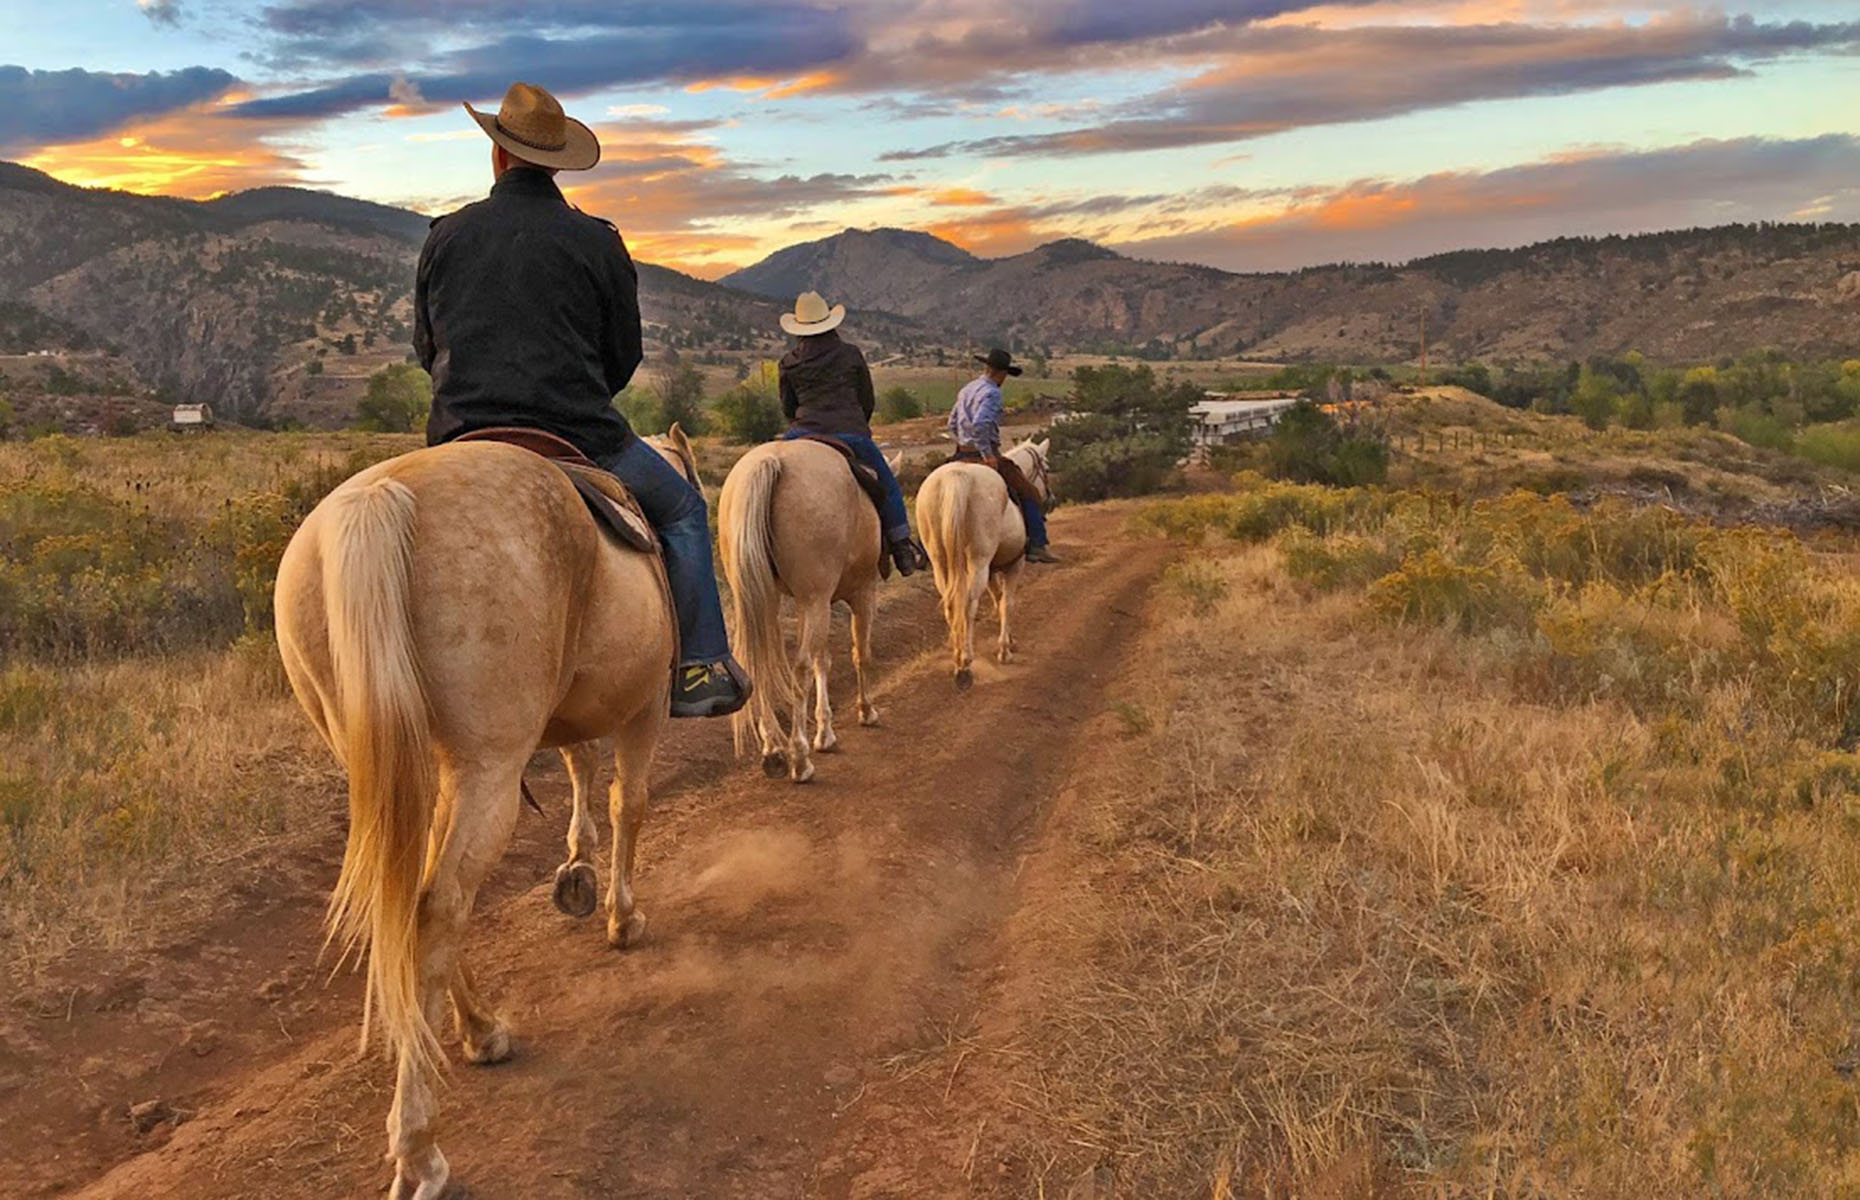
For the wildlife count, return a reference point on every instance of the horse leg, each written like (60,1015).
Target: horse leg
(633,746)
(864,604)
(965,647)
(483,806)
(816,630)
(998,585)
(482,1032)
(577,885)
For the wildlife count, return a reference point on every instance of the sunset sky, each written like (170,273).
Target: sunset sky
(1250,134)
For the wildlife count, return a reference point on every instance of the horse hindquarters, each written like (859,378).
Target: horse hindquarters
(954,527)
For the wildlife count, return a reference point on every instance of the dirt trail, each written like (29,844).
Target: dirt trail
(801,939)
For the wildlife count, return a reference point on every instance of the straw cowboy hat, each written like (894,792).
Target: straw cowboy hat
(811,315)
(531,125)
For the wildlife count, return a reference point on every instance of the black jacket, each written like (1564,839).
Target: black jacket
(526,312)
(826,386)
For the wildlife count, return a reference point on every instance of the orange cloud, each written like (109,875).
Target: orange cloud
(993,235)
(769,88)
(961,197)
(197,153)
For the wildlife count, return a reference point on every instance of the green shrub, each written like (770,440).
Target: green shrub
(1831,446)
(641,410)
(898,404)
(1307,446)
(398,400)
(1126,437)
(745,414)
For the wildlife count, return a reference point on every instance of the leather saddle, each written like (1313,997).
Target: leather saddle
(609,501)
(869,483)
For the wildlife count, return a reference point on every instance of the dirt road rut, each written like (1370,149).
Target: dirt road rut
(801,938)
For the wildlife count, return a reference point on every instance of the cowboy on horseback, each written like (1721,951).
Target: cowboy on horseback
(826,390)
(975,426)
(526,313)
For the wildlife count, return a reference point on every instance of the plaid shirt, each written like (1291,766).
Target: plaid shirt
(976,419)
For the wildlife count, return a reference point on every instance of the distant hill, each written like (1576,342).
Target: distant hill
(1684,296)
(279,302)
(274,303)
(884,269)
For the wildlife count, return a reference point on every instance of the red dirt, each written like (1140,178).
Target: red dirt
(804,942)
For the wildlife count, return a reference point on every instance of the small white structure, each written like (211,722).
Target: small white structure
(189,417)
(1220,419)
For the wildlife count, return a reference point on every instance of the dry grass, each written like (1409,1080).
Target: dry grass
(1451,439)
(1366,905)
(145,728)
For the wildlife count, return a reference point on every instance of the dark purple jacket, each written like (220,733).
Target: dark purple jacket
(826,386)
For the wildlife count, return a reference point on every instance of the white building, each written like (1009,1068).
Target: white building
(192,416)
(1222,419)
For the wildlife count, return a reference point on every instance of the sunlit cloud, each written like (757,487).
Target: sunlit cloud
(1704,183)
(198,153)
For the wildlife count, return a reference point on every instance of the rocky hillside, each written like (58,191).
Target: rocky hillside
(274,304)
(1684,296)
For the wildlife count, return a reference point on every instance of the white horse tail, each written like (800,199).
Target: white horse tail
(382,730)
(755,598)
(947,533)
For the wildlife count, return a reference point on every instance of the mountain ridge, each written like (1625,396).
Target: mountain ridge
(277,303)
(1790,285)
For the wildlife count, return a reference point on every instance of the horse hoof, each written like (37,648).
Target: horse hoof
(965,679)
(832,747)
(492,1050)
(577,889)
(424,1179)
(628,933)
(1004,656)
(869,718)
(804,773)
(774,766)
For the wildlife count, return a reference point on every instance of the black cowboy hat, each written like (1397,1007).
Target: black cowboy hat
(999,360)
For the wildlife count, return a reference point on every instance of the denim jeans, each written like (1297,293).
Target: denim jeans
(677,511)
(896,524)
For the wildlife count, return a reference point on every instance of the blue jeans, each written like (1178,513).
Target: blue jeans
(891,515)
(677,511)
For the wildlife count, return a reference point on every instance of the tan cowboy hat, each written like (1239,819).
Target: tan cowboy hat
(531,125)
(811,315)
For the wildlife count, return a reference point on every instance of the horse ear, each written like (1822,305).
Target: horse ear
(895,462)
(1044,446)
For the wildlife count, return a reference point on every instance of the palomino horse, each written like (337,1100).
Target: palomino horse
(441,616)
(976,537)
(793,521)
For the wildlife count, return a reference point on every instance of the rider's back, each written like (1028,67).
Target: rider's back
(528,315)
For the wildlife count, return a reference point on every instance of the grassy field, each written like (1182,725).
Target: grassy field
(1451,840)
(1462,849)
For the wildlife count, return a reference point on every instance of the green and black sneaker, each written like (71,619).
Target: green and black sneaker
(709,689)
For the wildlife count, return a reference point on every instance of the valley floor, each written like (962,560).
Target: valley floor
(1244,881)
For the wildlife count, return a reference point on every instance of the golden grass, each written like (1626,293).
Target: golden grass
(125,781)
(1357,905)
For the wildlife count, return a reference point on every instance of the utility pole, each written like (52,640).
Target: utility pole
(1423,347)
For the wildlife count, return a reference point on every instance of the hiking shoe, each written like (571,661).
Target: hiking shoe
(709,689)
(907,558)
(1040,554)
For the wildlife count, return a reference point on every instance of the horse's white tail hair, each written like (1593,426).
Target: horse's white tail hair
(382,730)
(946,538)
(755,598)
